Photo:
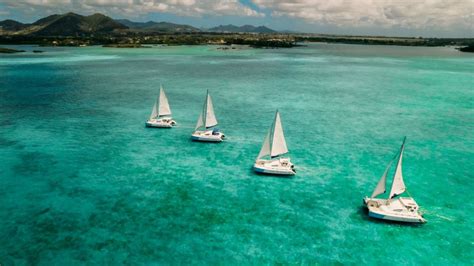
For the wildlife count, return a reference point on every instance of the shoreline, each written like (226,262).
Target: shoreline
(274,40)
(5,50)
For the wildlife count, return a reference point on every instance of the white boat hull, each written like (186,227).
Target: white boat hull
(207,136)
(280,166)
(398,209)
(161,123)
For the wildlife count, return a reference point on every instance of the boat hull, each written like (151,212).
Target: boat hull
(281,166)
(398,210)
(160,123)
(207,136)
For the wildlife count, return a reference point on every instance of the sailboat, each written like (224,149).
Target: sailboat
(274,146)
(205,129)
(394,208)
(161,112)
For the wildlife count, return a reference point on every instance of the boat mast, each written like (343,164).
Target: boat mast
(164,107)
(211,119)
(398,186)
(278,143)
(204,110)
(272,135)
(274,143)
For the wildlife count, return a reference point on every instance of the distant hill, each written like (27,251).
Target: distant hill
(245,28)
(70,24)
(12,25)
(102,23)
(49,19)
(152,26)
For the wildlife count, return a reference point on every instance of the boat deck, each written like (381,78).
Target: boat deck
(399,209)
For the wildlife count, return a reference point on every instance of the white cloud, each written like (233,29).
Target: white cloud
(191,8)
(379,13)
(442,17)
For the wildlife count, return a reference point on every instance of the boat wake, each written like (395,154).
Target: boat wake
(439,216)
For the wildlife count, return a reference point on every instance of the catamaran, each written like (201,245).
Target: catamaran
(401,209)
(274,146)
(161,113)
(205,128)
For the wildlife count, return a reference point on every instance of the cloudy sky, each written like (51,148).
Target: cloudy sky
(428,18)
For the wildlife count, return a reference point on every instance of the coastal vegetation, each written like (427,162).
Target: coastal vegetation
(126,45)
(383,40)
(136,40)
(468,49)
(71,29)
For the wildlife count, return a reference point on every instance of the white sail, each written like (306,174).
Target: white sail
(380,188)
(154,111)
(398,186)
(278,145)
(210,116)
(265,150)
(164,107)
(199,123)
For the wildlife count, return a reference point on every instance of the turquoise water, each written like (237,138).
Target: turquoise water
(83,181)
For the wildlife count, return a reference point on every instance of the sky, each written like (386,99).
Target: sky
(426,18)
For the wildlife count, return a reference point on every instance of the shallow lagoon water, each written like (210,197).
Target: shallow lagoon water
(83,181)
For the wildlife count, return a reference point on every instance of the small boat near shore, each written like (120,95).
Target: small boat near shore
(274,146)
(394,208)
(161,113)
(205,129)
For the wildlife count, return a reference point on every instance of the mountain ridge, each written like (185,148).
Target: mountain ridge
(72,24)
(12,25)
(153,26)
(69,24)
(245,29)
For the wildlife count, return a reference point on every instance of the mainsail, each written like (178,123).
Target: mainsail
(164,107)
(210,116)
(278,140)
(207,118)
(274,143)
(398,186)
